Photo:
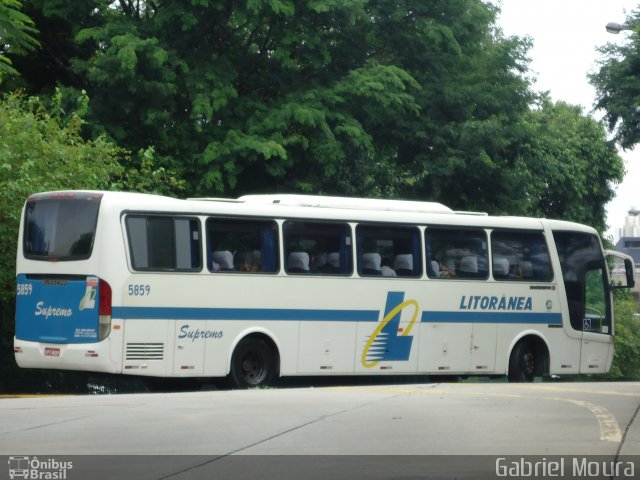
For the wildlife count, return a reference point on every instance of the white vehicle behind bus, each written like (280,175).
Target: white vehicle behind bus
(283,285)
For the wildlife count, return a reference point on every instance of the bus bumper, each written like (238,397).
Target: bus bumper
(92,357)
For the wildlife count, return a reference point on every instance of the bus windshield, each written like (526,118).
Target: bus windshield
(60,227)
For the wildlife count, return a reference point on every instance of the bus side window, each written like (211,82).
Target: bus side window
(520,256)
(317,248)
(242,245)
(164,243)
(389,251)
(456,253)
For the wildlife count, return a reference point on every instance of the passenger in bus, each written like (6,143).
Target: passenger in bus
(247,266)
(386,269)
(251,262)
(515,272)
(440,270)
(527,269)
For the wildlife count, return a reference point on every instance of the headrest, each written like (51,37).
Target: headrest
(224,258)
(403,262)
(298,260)
(469,264)
(371,261)
(333,259)
(500,266)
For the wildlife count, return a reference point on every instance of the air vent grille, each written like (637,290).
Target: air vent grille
(145,351)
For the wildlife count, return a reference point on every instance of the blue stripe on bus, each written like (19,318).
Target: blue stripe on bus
(169,313)
(492,317)
(174,313)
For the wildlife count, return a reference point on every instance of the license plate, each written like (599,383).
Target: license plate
(51,352)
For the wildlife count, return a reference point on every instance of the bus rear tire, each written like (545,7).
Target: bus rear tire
(253,363)
(522,363)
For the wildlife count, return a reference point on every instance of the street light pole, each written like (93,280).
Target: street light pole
(616,28)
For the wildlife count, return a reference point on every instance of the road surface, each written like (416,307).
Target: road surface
(205,434)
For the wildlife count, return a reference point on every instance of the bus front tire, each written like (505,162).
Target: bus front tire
(522,363)
(253,363)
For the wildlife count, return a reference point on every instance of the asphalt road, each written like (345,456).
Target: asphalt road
(205,434)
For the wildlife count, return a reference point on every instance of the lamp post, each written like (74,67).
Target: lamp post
(616,28)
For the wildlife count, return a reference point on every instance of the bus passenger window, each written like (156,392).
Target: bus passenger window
(317,248)
(241,245)
(520,256)
(456,253)
(164,243)
(388,251)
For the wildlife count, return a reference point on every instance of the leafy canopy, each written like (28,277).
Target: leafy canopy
(16,35)
(617,84)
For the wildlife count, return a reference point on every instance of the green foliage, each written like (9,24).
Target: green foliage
(42,149)
(617,84)
(38,153)
(16,35)
(571,167)
(412,99)
(626,361)
(148,177)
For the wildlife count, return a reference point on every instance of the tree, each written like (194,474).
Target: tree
(472,94)
(626,361)
(617,84)
(413,99)
(39,153)
(571,167)
(16,35)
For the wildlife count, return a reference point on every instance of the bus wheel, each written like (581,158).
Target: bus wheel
(522,364)
(253,363)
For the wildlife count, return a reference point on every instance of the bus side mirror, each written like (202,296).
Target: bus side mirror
(629,270)
(620,278)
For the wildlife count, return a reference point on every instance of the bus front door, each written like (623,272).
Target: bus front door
(586,286)
(596,323)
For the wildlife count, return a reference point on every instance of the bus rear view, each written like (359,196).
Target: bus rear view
(63,310)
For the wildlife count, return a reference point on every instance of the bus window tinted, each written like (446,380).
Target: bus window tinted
(520,256)
(317,248)
(240,245)
(388,251)
(164,243)
(60,227)
(456,253)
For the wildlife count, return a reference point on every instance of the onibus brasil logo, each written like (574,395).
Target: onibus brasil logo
(38,469)
(388,342)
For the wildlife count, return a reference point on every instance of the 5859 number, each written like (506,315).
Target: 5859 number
(139,290)
(24,289)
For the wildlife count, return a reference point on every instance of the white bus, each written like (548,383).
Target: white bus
(282,285)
